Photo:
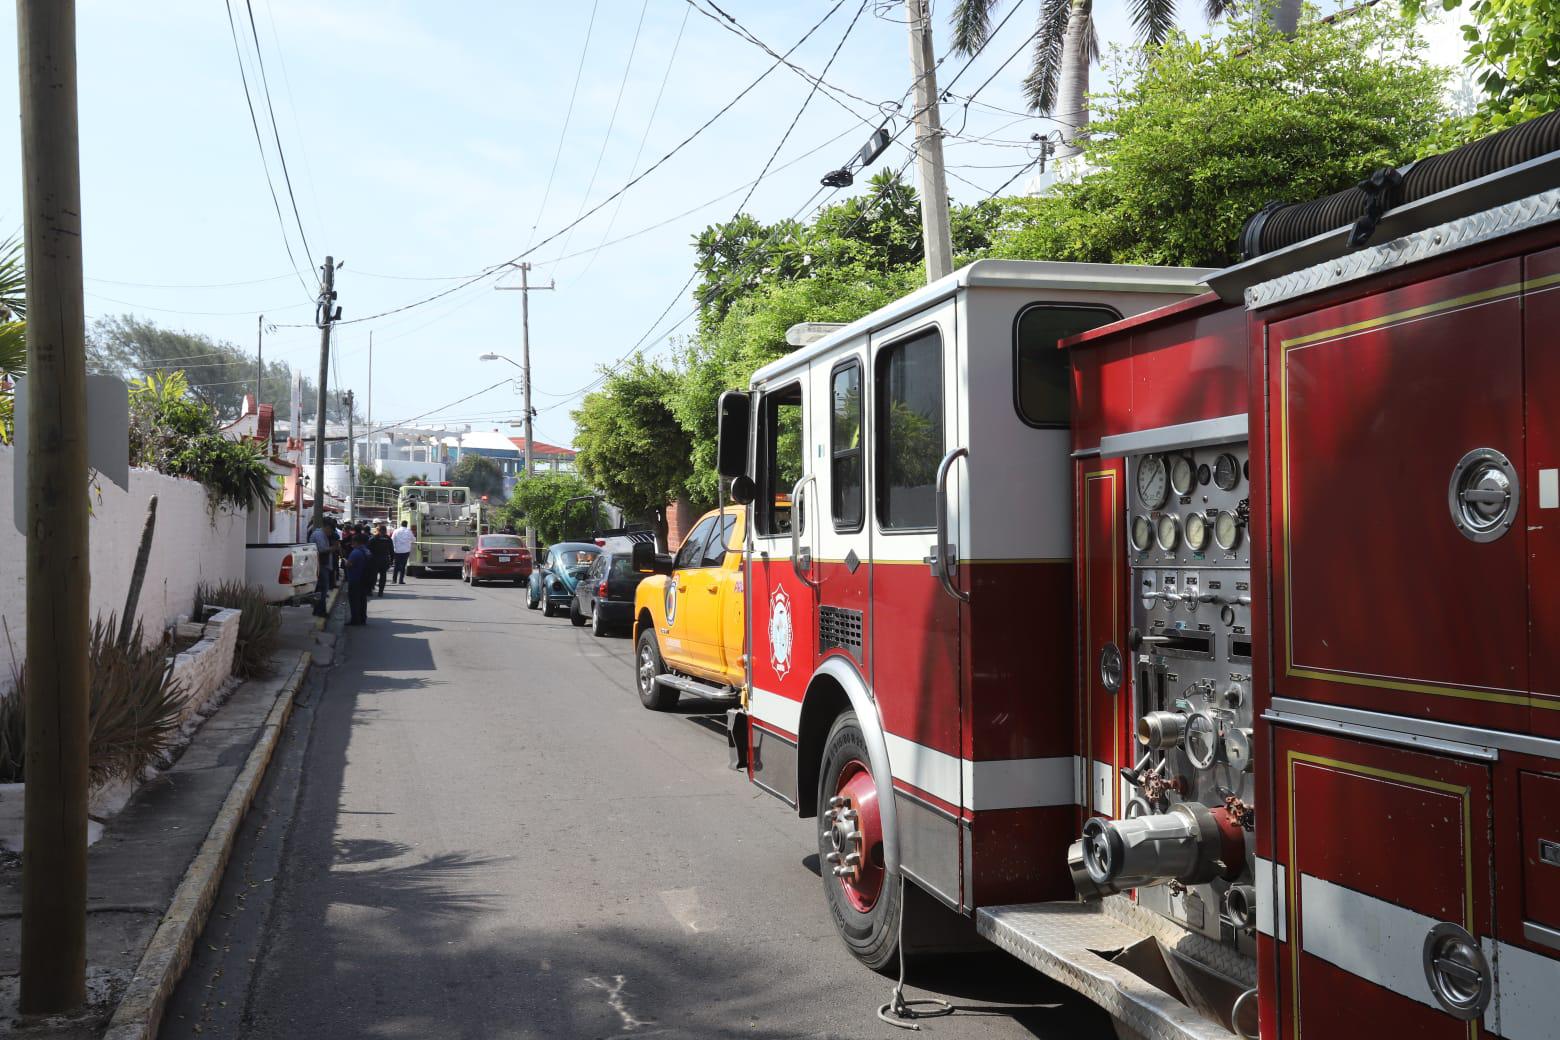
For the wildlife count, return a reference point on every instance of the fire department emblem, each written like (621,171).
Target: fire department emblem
(780,632)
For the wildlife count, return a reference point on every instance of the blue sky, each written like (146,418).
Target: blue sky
(420,137)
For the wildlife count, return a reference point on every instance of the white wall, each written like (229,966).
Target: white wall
(402,469)
(186,549)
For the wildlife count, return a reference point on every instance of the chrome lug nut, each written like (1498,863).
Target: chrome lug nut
(833,857)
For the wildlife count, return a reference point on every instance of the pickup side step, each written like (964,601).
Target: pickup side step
(1111,962)
(697,687)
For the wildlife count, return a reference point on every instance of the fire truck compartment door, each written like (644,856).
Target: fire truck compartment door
(1384,891)
(1541,479)
(1383,598)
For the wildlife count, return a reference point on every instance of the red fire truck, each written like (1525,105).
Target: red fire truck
(1209,663)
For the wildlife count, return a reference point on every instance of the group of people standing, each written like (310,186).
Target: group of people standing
(364,557)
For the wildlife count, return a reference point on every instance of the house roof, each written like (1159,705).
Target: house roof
(542,447)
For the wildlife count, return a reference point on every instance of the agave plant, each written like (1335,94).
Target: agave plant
(258,625)
(135,708)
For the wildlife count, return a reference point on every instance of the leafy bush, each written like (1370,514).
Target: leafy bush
(259,624)
(135,708)
(175,434)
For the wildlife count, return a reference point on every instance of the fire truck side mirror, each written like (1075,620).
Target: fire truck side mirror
(731,439)
(743,490)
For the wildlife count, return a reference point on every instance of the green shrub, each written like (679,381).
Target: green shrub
(135,708)
(258,626)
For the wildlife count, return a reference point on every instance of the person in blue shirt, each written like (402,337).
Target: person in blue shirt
(360,571)
(321,538)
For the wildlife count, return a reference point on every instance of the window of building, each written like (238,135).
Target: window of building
(909,424)
(780,459)
(692,552)
(1041,380)
(845,454)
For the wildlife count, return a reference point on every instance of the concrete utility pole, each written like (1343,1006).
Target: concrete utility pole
(525,288)
(259,364)
(54,859)
(928,144)
(325,313)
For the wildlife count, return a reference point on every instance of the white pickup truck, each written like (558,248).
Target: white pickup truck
(286,572)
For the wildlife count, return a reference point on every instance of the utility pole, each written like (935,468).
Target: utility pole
(259,363)
(325,312)
(525,288)
(372,451)
(928,144)
(351,461)
(54,858)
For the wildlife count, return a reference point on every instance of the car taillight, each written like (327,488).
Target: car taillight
(601,590)
(284,575)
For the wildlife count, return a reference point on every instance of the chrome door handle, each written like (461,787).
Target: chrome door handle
(801,559)
(944,555)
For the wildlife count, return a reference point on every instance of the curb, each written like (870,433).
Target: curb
(330,605)
(141,1008)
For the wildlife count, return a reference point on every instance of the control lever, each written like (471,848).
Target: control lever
(1214,597)
(1136,639)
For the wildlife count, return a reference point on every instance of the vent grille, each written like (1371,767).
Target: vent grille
(839,628)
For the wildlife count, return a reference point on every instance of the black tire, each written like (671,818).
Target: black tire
(871,937)
(598,628)
(532,601)
(575,617)
(647,665)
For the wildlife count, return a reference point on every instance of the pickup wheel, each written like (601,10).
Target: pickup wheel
(575,617)
(648,665)
(862,899)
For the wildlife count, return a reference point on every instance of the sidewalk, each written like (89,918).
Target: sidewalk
(152,875)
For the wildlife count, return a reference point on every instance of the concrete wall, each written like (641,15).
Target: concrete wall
(186,550)
(202,669)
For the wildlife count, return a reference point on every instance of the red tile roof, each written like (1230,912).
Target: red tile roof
(542,447)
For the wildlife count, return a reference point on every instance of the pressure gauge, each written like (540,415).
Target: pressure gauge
(1168,532)
(1202,740)
(1153,484)
(1182,475)
(1195,527)
(1142,533)
(1226,472)
(1237,749)
(1226,530)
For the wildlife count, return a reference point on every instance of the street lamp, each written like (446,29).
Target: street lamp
(501,357)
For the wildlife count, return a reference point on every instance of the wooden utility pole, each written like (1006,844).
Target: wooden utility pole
(325,313)
(259,365)
(351,461)
(928,144)
(54,859)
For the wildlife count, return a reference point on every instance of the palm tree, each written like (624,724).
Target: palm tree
(1066,45)
(13,307)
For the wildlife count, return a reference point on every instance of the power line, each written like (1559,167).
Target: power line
(203,314)
(308,168)
(606,138)
(265,86)
(260,142)
(567,117)
(187,285)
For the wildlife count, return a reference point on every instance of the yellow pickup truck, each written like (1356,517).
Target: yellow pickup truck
(690,630)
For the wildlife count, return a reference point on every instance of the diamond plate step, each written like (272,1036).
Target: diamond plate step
(1070,942)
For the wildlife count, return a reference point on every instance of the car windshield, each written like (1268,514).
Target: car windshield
(501,541)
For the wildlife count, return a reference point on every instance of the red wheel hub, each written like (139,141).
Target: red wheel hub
(853,836)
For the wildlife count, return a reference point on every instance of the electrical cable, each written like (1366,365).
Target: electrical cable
(180,285)
(567,117)
(259,141)
(606,139)
(276,132)
(906,1012)
(292,106)
(202,314)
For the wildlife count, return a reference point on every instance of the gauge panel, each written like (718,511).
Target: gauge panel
(1142,533)
(1226,530)
(1167,532)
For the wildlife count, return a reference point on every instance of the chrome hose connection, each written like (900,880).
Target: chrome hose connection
(1190,843)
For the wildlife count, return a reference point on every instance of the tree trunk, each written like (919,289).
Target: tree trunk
(1284,15)
(1072,91)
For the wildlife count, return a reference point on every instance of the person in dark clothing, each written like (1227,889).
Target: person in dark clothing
(383,552)
(359,578)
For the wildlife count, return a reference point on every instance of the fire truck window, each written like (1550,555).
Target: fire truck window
(845,448)
(692,552)
(909,431)
(458,497)
(781,459)
(1044,389)
(720,534)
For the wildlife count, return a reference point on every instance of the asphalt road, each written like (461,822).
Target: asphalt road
(472,829)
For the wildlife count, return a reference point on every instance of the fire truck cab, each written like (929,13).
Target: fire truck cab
(909,574)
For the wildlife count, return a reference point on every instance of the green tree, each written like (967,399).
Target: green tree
(543,501)
(1198,134)
(481,474)
(1514,52)
(173,433)
(630,444)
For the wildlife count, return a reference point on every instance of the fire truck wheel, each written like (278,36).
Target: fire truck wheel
(648,665)
(865,907)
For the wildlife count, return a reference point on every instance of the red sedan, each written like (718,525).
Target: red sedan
(497,557)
